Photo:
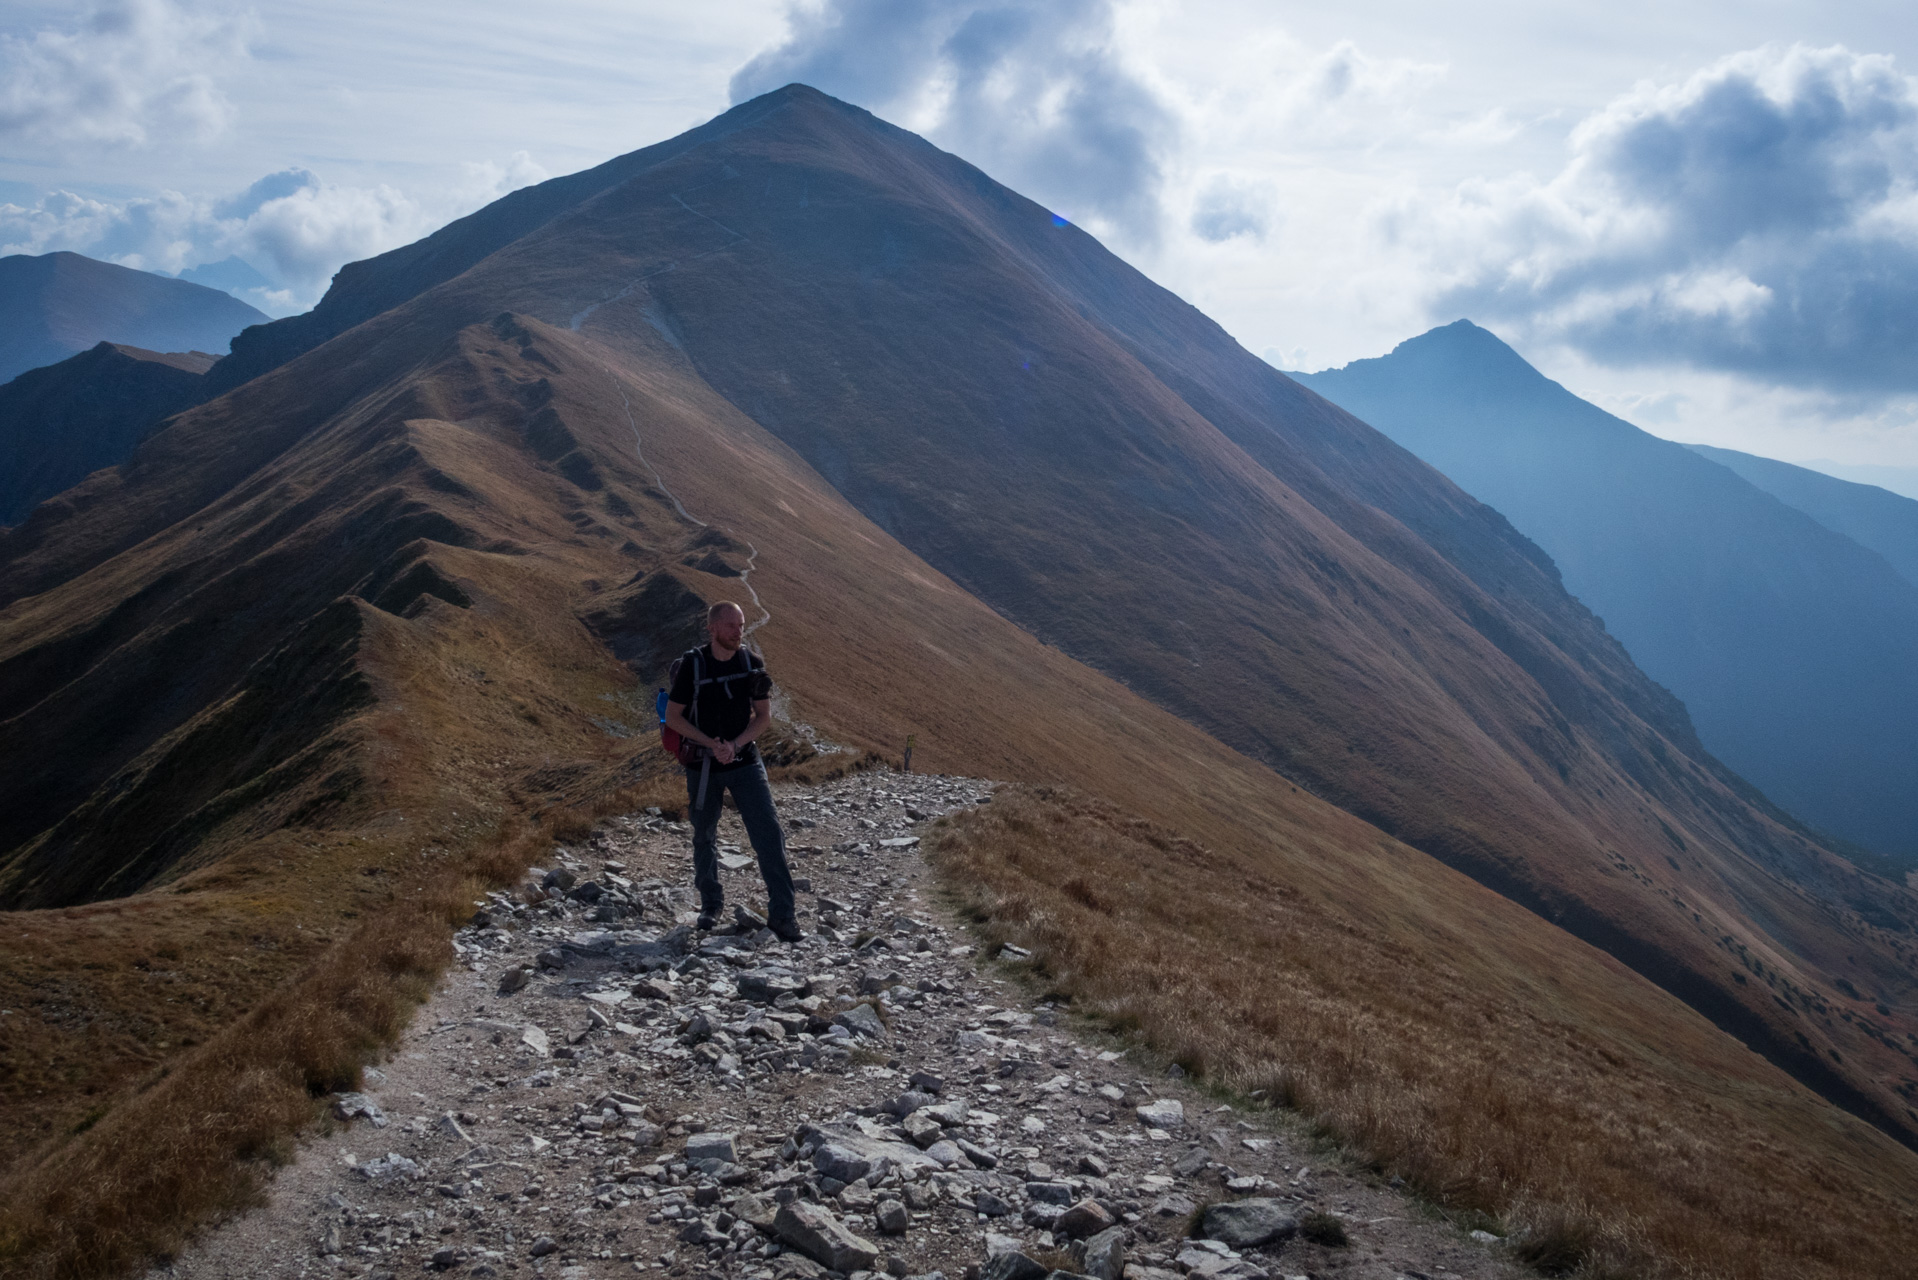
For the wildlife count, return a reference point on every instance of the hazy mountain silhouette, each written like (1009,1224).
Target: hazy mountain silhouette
(60,423)
(1791,644)
(1900,480)
(59,304)
(1869,515)
(397,569)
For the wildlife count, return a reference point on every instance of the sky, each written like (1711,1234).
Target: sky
(1704,217)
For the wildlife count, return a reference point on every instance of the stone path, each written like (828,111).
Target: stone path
(599,1090)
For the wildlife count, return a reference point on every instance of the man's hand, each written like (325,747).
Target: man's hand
(723,752)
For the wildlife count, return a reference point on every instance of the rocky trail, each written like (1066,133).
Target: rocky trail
(597,1090)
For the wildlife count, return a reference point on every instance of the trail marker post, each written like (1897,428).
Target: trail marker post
(910,739)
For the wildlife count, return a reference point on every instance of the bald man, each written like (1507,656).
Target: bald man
(721,700)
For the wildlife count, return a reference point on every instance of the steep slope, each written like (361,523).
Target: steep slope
(62,422)
(332,628)
(1791,644)
(59,304)
(1875,518)
(977,379)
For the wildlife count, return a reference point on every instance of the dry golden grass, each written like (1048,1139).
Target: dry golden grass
(198,1137)
(1604,1156)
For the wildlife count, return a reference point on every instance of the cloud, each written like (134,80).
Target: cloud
(1228,207)
(131,72)
(1033,91)
(1760,217)
(291,226)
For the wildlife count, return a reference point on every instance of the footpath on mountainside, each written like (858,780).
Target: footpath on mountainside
(597,1089)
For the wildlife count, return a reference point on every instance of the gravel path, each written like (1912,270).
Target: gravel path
(598,1090)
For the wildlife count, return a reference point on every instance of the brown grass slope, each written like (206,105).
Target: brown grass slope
(360,655)
(1098,462)
(440,515)
(60,423)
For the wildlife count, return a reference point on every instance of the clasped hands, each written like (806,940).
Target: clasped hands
(724,752)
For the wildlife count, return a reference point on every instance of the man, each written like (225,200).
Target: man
(728,694)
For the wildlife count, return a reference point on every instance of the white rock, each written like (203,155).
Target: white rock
(1165,1113)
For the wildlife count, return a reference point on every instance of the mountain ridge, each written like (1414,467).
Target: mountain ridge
(834,369)
(57,305)
(1788,641)
(1874,517)
(64,421)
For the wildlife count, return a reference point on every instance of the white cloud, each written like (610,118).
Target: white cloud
(130,73)
(1230,206)
(1758,217)
(292,226)
(1036,92)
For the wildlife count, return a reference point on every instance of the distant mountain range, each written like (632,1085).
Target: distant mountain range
(62,422)
(1900,480)
(1867,513)
(57,305)
(1792,644)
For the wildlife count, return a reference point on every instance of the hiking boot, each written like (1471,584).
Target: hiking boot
(786,930)
(708,918)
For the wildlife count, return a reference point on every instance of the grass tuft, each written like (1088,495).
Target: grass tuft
(1322,1228)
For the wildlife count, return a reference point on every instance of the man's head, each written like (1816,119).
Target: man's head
(726,624)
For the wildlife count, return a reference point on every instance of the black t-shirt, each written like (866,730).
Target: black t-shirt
(722,704)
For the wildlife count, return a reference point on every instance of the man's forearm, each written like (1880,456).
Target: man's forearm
(762,716)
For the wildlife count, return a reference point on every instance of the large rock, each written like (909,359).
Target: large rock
(1103,1257)
(855,1148)
(922,1129)
(863,1021)
(951,1114)
(837,1160)
(1087,1218)
(1011,1265)
(1248,1224)
(711,1146)
(815,1232)
(763,986)
(1163,1114)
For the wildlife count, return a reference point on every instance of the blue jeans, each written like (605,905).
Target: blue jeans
(754,796)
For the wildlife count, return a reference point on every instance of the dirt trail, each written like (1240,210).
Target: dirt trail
(876,1099)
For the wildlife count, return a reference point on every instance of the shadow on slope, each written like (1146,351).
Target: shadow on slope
(1790,643)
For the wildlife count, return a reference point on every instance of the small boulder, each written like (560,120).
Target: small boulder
(1103,1257)
(863,1021)
(1248,1224)
(1087,1218)
(922,1129)
(1011,1265)
(756,1211)
(1166,1113)
(836,1160)
(947,1153)
(893,1218)
(712,1146)
(348,1106)
(814,1231)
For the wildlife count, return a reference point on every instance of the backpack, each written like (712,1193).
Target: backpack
(687,753)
